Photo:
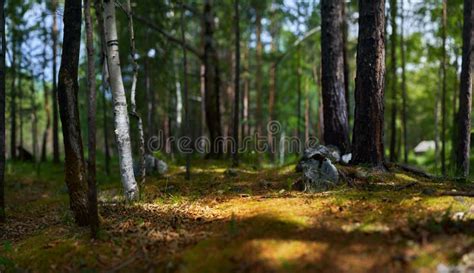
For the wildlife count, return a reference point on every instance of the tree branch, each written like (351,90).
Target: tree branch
(168,36)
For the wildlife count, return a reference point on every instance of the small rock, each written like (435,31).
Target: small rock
(346,158)
(330,152)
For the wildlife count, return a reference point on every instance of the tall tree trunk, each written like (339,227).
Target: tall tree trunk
(436,120)
(2,112)
(54,37)
(454,129)
(133,96)
(444,86)
(345,34)
(122,123)
(13,100)
(211,83)
(369,107)
(105,81)
(20,91)
(246,95)
(465,94)
(394,80)
(271,136)
(187,127)
(332,57)
(34,120)
(91,122)
(236,111)
(404,87)
(75,172)
(258,73)
(47,111)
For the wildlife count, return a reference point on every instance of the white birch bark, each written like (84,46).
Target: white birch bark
(122,124)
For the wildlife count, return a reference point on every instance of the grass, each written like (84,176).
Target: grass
(249,222)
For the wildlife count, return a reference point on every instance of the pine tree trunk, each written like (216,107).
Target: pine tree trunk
(369,107)
(236,111)
(2,112)
(394,80)
(465,94)
(345,31)
(47,112)
(271,136)
(54,37)
(258,74)
(34,120)
(404,88)
(187,127)
(75,172)
(443,86)
(211,83)
(332,56)
(91,122)
(122,123)
(13,101)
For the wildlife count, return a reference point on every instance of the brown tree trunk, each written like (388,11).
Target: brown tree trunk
(271,136)
(211,83)
(2,112)
(394,80)
(13,101)
(369,107)
(47,112)
(54,37)
(465,94)
(332,56)
(404,88)
(105,84)
(91,122)
(236,111)
(258,73)
(75,173)
(345,31)
(246,95)
(187,127)
(444,85)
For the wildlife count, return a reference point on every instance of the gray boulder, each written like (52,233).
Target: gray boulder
(153,166)
(330,152)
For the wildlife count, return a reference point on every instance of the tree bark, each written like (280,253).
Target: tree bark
(393,80)
(13,101)
(187,127)
(47,111)
(369,107)
(133,94)
(211,83)
(122,123)
(105,81)
(345,31)
(444,86)
(91,121)
(272,85)
(236,111)
(75,173)
(54,37)
(465,94)
(258,73)
(332,57)
(404,88)
(2,112)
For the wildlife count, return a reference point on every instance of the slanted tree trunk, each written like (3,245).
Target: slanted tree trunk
(75,172)
(404,88)
(465,94)
(369,107)
(332,57)
(134,113)
(122,123)
(394,80)
(2,112)
(443,86)
(91,122)
(54,37)
(211,83)
(236,111)
(105,79)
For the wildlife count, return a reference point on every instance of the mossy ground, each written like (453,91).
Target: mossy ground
(246,222)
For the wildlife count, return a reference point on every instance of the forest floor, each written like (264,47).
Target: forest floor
(248,221)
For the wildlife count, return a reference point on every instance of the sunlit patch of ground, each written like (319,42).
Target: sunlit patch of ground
(245,220)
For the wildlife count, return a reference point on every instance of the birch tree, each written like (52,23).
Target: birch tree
(121,121)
